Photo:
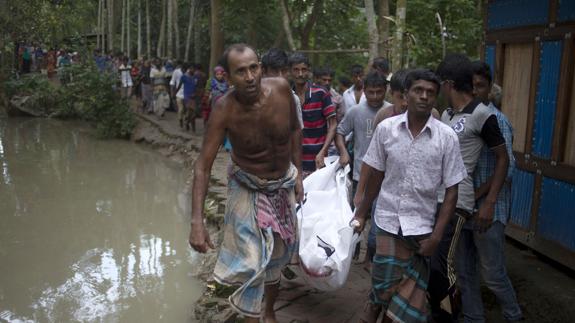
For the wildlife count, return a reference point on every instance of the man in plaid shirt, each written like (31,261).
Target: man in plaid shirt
(487,248)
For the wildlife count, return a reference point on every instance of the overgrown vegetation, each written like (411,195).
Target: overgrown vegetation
(86,95)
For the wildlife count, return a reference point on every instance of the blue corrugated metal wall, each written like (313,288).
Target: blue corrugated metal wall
(516,13)
(556,220)
(490,58)
(566,10)
(550,66)
(521,196)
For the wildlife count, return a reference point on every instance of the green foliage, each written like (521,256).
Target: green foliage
(463,29)
(88,95)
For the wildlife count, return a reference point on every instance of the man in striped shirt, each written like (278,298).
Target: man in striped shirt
(318,114)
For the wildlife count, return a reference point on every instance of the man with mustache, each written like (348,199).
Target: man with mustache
(264,182)
(318,112)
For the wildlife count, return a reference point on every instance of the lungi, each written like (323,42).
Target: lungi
(399,277)
(259,236)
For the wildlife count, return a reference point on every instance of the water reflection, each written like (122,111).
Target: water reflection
(90,230)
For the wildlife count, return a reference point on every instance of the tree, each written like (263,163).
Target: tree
(372,31)
(191,21)
(398,54)
(216,33)
(139,47)
(148,31)
(383,27)
(162,37)
(286,24)
(110,8)
(170,26)
(176,11)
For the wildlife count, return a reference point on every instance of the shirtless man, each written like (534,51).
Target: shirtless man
(259,117)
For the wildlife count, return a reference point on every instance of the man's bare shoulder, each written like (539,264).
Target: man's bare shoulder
(383,114)
(276,82)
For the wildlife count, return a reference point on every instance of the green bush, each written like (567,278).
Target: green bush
(86,94)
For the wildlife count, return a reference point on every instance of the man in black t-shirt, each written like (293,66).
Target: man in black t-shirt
(475,126)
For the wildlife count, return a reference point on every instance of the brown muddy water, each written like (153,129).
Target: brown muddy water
(90,230)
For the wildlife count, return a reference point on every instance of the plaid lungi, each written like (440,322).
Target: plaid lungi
(251,255)
(399,277)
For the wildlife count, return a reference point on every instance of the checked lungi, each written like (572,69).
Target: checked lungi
(259,236)
(399,277)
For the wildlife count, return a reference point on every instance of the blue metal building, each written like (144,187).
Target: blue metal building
(530,46)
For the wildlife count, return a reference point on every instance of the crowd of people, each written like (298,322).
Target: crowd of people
(33,58)
(436,186)
(162,84)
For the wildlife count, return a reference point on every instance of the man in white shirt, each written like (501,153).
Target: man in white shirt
(178,94)
(354,95)
(410,156)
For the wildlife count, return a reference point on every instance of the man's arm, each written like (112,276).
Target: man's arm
(199,238)
(428,246)
(491,134)
(487,208)
(373,179)
(296,143)
(342,130)
(331,126)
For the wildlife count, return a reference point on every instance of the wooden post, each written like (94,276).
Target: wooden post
(532,94)
(563,100)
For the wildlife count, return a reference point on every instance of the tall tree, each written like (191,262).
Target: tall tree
(191,21)
(198,35)
(160,49)
(148,31)
(139,28)
(99,28)
(177,46)
(110,25)
(397,61)
(286,24)
(310,23)
(123,28)
(372,31)
(128,28)
(217,35)
(383,27)
(170,26)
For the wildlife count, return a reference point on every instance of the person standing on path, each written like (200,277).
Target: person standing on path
(487,249)
(264,183)
(354,95)
(410,156)
(318,115)
(476,126)
(359,120)
(275,64)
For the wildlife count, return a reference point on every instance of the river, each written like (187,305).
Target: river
(90,230)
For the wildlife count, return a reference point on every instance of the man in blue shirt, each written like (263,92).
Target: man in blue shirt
(189,82)
(487,248)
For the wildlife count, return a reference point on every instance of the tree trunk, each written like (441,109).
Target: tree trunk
(162,36)
(123,28)
(110,25)
(190,26)
(383,28)
(397,61)
(197,36)
(310,23)
(139,29)
(177,46)
(217,35)
(372,31)
(99,27)
(148,31)
(104,43)
(169,35)
(286,25)
(128,27)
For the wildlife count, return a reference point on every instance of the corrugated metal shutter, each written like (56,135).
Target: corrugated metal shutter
(490,58)
(566,10)
(521,196)
(556,219)
(546,100)
(516,13)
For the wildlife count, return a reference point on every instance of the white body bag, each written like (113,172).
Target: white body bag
(327,240)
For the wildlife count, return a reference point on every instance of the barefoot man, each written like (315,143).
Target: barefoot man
(264,182)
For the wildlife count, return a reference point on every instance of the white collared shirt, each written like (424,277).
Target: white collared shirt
(415,168)
(349,99)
